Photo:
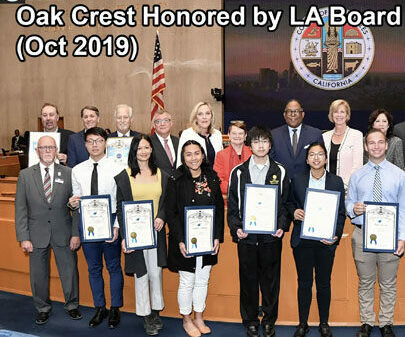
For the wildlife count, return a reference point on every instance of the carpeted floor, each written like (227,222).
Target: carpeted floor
(17,317)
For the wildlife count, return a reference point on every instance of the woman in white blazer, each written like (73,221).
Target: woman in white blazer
(344,144)
(202,130)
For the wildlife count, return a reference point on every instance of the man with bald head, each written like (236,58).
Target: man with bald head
(42,221)
(123,120)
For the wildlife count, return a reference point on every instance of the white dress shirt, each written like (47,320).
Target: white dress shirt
(291,132)
(169,142)
(128,134)
(51,172)
(107,169)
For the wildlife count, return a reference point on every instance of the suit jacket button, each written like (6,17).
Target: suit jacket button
(49,221)
(49,208)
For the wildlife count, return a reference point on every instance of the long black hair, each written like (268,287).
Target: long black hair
(133,150)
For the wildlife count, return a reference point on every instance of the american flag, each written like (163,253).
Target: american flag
(158,80)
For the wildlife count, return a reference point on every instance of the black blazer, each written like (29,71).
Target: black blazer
(135,262)
(64,137)
(180,193)
(131,134)
(297,198)
(161,159)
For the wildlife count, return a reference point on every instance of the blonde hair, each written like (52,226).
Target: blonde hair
(193,117)
(334,107)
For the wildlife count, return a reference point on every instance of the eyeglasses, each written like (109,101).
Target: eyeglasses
(46,148)
(94,141)
(260,141)
(290,112)
(162,121)
(319,155)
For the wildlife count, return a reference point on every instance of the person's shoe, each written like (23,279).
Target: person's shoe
(386,331)
(42,318)
(202,327)
(325,330)
(101,313)
(268,330)
(365,331)
(157,320)
(302,330)
(252,331)
(113,317)
(149,325)
(75,314)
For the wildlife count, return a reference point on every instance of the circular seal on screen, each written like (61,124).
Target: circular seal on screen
(330,57)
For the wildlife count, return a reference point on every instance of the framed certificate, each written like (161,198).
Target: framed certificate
(199,225)
(380,229)
(321,212)
(260,207)
(139,229)
(118,149)
(32,146)
(96,218)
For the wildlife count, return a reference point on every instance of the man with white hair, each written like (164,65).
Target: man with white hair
(123,119)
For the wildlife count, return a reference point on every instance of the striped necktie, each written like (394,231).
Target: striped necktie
(295,141)
(377,188)
(47,185)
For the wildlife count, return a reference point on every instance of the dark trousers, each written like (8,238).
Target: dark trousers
(66,262)
(310,254)
(259,266)
(94,252)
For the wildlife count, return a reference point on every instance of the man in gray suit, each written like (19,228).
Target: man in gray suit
(399,131)
(164,144)
(42,221)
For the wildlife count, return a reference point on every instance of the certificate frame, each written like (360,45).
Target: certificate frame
(308,226)
(83,222)
(128,236)
(249,215)
(188,240)
(368,233)
(117,148)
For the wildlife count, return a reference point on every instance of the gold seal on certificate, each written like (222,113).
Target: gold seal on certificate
(96,222)
(260,209)
(321,212)
(199,222)
(118,149)
(139,229)
(380,229)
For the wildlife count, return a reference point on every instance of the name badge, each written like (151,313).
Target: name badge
(59,181)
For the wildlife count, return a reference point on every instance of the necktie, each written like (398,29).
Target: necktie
(47,185)
(168,152)
(294,141)
(94,181)
(377,188)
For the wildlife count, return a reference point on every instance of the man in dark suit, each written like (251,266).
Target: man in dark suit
(165,145)
(123,119)
(76,147)
(399,131)
(17,141)
(49,119)
(42,221)
(292,139)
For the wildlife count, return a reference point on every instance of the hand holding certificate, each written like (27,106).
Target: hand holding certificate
(380,229)
(96,218)
(138,224)
(199,230)
(321,213)
(260,215)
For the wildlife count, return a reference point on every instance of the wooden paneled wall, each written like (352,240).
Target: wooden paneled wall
(223,292)
(192,58)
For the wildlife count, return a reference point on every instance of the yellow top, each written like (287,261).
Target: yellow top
(146,191)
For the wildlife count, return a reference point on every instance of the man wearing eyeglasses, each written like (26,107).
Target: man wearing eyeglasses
(292,139)
(42,221)
(123,120)
(259,254)
(95,176)
(164,144)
